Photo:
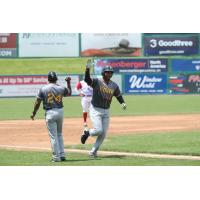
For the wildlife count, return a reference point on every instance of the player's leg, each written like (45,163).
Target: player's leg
(101,137)
(96,118)
(85,111)
(52,129)
(60,135)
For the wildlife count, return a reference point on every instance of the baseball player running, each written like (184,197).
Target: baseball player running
(85,91)
(51,95)
(103,91)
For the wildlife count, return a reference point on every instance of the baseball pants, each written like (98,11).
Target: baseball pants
(85,103)
(54,123)
(100,119)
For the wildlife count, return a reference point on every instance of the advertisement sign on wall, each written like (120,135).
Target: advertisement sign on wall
(8,45)
(183,65)
(132,65)
(184,83)
(29,85)
(173,45)
(111,44)
(48,45)
(145,83)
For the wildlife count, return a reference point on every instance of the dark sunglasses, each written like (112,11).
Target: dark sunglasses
(109,72)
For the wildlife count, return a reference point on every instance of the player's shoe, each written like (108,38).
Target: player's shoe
(92,155)
(55,160)
(84,136)
(62,158)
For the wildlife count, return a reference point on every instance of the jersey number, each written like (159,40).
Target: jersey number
(52,97)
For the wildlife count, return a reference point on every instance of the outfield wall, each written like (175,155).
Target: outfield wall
(30,45)
(148,63)
(129,84)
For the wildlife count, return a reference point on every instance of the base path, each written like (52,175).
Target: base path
(28,133)
(106,153)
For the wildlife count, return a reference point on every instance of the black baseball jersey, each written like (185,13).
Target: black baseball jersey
(103,93)
(51,95)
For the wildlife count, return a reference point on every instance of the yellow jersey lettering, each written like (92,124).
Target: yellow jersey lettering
(51,97)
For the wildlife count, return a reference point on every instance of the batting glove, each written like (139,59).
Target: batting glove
(89,63)
(124,106)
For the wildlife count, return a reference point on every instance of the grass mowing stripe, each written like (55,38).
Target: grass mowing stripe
(42,65)
(21,108)
(22,158)
(177,143)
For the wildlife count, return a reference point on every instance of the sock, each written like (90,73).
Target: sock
(85,117)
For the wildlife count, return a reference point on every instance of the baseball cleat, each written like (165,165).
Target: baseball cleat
(62,158)
(92,155)
(84,137)
(55,160)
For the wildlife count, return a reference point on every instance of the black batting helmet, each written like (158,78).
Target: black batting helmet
(52,77)
(107,69)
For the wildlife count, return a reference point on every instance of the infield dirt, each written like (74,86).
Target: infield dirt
(29,133)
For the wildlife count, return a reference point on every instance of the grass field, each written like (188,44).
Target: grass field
(42,66)
(18,158)
(174,143)
(180,143)
(21,108)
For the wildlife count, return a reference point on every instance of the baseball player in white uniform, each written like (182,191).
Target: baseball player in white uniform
(85,91)
(51,95)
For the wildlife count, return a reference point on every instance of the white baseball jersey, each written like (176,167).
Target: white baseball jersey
(83,88)
(86,92)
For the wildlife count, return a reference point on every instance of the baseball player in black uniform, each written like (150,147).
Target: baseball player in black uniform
(51,95)
(103,91)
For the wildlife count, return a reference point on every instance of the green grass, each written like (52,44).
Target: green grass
(42,66)
(178,143)
(21,108)
(158,105)
(175,143)
(22,158)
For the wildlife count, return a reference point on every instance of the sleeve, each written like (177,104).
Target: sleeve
(94,82)
(78,86)
(118,95)
(40,94)
(88,79)
(117,92)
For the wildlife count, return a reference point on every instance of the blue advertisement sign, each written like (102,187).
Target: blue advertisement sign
(186,65)
(132,65)
(145,83)
(175,45)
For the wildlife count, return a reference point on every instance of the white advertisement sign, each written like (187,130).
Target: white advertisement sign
(48,45)
(111,44)
(29,85)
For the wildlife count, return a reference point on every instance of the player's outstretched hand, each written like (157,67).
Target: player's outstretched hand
(124,106)
(89,64)
(68,79)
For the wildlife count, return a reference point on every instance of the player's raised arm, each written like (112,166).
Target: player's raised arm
(88,79)
(68,80)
